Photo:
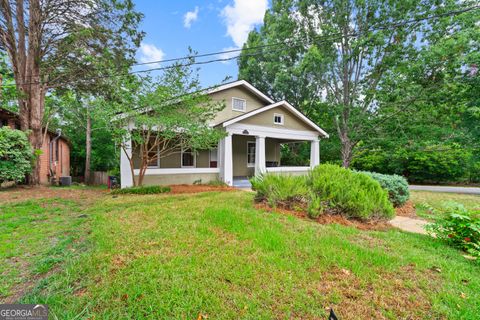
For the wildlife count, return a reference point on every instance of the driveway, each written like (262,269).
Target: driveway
(452,189)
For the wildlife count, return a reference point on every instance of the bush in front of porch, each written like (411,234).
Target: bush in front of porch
(327,189)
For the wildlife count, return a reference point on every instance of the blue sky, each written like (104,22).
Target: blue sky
(172,26)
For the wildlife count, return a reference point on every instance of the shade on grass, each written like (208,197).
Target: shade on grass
(213,254)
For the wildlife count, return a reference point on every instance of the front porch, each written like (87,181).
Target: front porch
(252,150)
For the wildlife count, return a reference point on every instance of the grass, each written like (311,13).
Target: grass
(164,256)
(423,200)
(35,236)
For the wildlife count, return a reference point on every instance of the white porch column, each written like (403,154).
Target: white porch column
(125,170)
(314,153)
(226,165)
(259,155)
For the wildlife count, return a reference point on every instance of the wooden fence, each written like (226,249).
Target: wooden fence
(99,177)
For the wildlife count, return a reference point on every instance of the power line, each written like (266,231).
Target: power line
(398,24)
(283,43)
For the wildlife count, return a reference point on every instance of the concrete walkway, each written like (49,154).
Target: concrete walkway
(409,224)
(451,189)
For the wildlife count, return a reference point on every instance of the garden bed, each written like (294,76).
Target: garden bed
(328,218)
(197,188)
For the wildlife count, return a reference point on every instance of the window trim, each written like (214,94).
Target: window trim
(251,165)
(157,166)
(244,109)
(194,158)
(282,117)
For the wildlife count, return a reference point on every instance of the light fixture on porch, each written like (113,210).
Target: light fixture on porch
(245,132)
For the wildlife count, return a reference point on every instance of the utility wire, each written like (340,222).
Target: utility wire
(283,43)
(398,24)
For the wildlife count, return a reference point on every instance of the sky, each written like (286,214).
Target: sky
(206,26)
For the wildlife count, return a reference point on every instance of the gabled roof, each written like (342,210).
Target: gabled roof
(285,104)
(244,84)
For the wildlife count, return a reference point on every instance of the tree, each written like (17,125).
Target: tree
(171,113)
(50,43)
(337,55)
(15,155)
(83,123)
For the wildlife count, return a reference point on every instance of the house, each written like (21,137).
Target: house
(55,157)
(256,126)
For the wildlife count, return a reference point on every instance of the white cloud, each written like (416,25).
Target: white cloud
(228,55)
(149,52)
(190,17)
(242,17)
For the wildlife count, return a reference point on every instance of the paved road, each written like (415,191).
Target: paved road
(466,190)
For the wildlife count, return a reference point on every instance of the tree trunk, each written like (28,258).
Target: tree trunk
(36,136)
(88,147)
(347,153)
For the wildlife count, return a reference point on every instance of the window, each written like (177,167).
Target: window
(239,104)
(278,118)
(154,157)
(250,154)
(213,158)
(188,158)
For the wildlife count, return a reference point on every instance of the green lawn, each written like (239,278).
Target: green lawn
(213,254)
(424,200)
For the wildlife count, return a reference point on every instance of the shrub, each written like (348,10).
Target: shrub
(458,227)
(276,189)
(396,186)
(354,194)
(15,155)
(142,190)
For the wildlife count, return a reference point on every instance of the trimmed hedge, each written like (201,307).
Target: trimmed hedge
(327,188)
(354,194)
(396,186)
(142,190)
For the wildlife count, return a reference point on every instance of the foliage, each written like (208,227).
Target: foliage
(174,102)
(279,188)
(431,163)
(458,227)
(15,155)
(217,183)
(295,154)
(354,194)
(142,190)
(326,187)
(418,92)
(64,44)
(396,186)
(73,111)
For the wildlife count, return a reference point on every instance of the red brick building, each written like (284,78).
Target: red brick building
(55,157)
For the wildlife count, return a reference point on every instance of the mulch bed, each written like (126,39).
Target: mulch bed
(407,210)
(329,218)
(185,188)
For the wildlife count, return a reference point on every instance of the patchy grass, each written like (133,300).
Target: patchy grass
(35,237)
(423,200)
(181,256)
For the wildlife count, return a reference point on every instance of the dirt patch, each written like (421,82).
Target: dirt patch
(401,294)
(185,188)
(328,218)
(407,210)
(24,193)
